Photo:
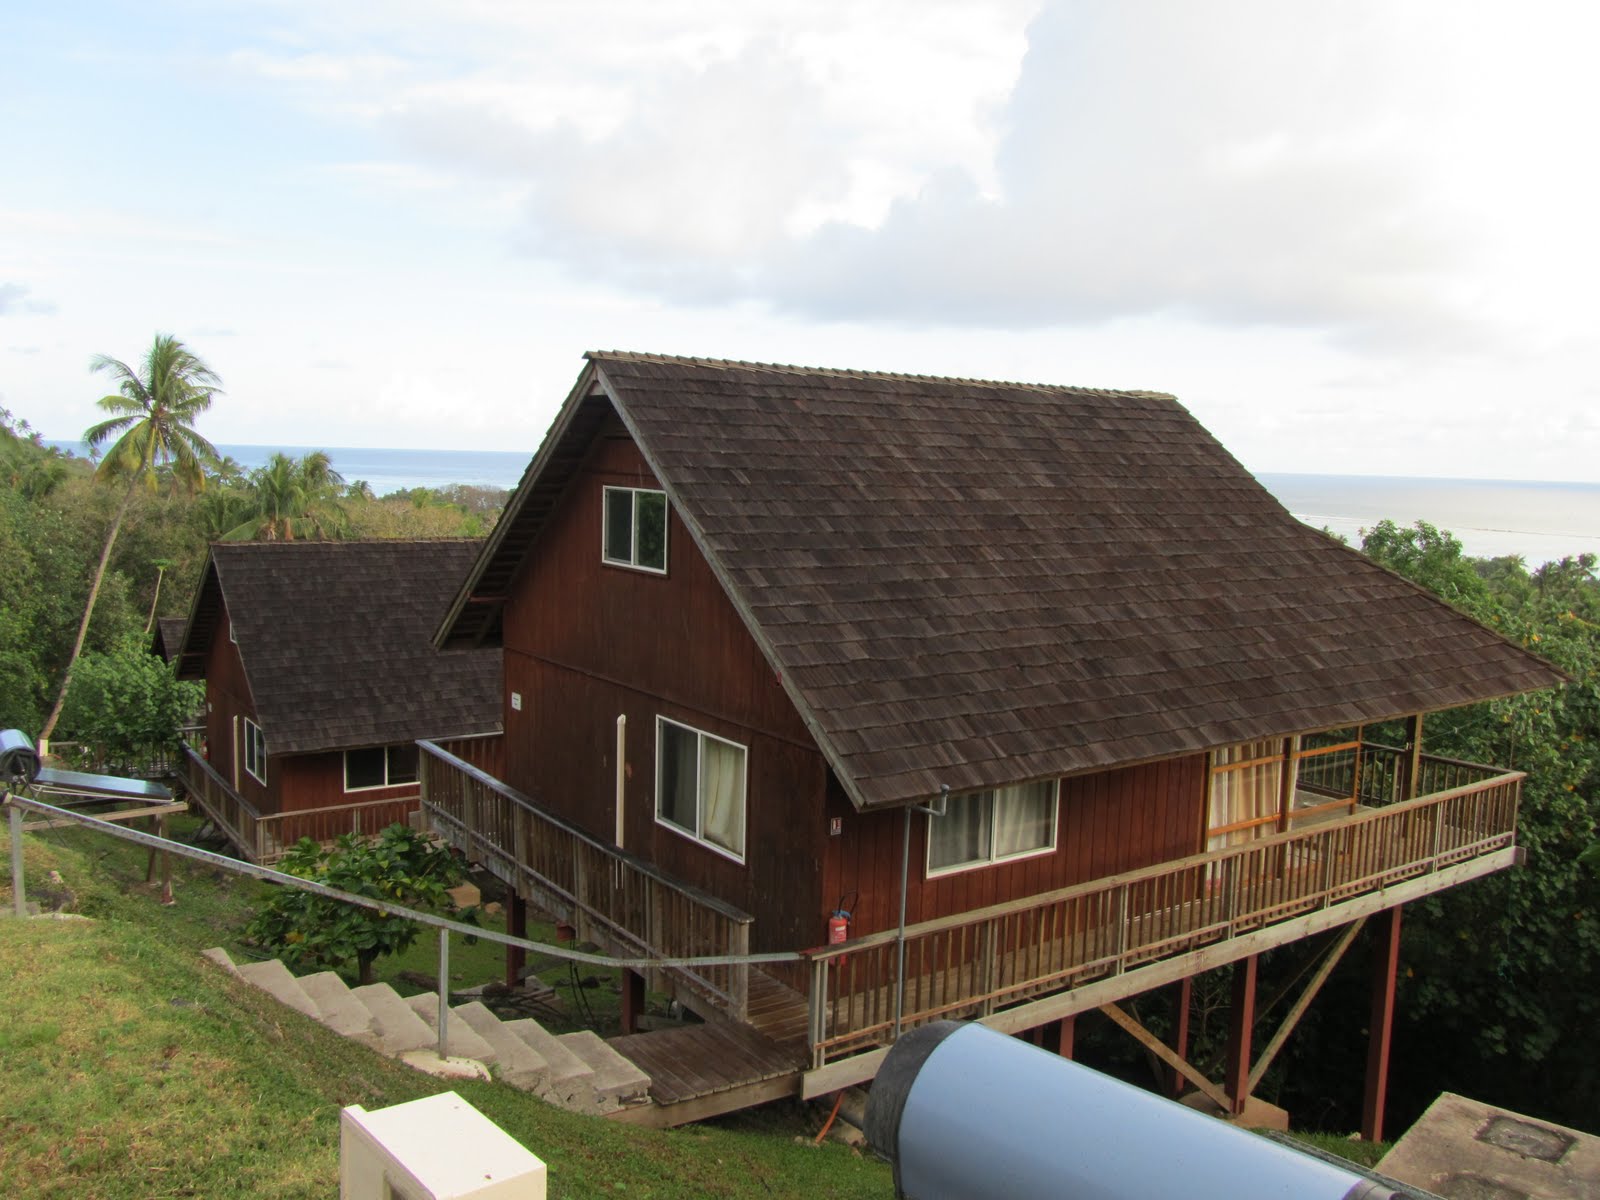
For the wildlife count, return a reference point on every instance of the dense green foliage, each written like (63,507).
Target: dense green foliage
(1501,996)
(311,932)
(125,699)
(54,521)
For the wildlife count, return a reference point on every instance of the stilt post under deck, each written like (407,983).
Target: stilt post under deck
(1241,1019)
(632,1000)
(516,926)
(1057,1036)
(1385,965)
(1180,1030)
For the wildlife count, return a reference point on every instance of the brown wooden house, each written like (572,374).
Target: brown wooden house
(1037,682)
(320,676)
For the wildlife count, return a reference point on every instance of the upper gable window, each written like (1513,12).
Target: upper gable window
(379,766)
(635,533)
(993,826)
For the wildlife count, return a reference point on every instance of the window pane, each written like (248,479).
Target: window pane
(403,764)
(962,834)
(363,768)
(651,514)
(1024,819)
(722,794)
(678,788)
(619,525)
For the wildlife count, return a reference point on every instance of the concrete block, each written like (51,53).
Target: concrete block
(274,978)
(462,1041)
(222,958)
(398,1029)
(518,1063)
(341,1011)
(568,1083)
(617,1081)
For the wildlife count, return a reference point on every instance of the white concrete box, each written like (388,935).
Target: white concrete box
(436,1148)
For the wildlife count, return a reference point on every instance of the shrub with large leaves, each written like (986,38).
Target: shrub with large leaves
(400,865)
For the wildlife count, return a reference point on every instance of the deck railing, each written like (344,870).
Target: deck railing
(972,963)
(609,896)
(263,837)
(235,815)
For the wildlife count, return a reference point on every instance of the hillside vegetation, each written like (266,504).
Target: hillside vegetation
(135,1069)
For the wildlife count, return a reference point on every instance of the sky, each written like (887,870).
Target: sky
(1354,238)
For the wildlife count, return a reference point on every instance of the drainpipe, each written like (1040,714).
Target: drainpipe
(622,752)
(936,809)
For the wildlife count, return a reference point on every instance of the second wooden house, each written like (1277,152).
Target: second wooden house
(320,676)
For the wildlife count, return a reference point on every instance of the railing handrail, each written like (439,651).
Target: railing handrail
(1171,867)
(291,814)
(721,907)
(212,773)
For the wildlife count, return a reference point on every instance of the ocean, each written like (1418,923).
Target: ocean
(1539,521)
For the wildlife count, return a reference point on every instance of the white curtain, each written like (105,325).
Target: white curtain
(722,794)
(962,834)
(1024,818)
(1244,793)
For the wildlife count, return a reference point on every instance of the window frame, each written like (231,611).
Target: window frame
(696,835)
(388,769)
(992,859)
(632,563)
(255,748)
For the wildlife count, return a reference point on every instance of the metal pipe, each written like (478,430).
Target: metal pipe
(622,760)
(933,810)
(444,990)
(394,910)
(19,902)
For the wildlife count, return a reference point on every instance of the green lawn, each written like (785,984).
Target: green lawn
(133,1068)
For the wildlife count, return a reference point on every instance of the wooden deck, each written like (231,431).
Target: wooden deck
(705,1070)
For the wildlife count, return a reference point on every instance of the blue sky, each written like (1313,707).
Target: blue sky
(1351,238)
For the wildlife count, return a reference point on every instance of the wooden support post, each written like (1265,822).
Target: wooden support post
(1241,1019)
(516,926)
(1054,1036)
(1385,964)
(1411,764)
(632,1000)
(1180,1030)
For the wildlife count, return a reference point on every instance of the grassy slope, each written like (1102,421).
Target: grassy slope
(132,1068)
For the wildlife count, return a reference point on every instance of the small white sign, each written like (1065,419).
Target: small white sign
(516,701)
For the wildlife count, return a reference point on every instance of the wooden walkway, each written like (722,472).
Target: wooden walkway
(704,1070)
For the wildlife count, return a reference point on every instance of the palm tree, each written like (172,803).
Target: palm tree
(154,412)
(293,498)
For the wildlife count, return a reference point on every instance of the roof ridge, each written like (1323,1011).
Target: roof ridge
(853,373)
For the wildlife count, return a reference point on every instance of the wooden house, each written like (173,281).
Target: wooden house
(1037,683)
(320,676)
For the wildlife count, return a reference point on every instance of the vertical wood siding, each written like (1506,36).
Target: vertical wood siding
(228,697)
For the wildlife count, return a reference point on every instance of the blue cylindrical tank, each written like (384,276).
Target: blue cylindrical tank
(966,1113)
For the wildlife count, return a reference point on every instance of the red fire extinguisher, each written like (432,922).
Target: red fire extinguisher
(839,922)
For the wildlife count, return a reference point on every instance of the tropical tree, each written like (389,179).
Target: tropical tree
(154,409)
(293,498)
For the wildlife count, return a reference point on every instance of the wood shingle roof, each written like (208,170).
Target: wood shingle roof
(335,638)
(966,583)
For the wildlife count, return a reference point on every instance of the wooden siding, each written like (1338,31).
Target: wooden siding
(1109,822)
(228,702)
(586,642)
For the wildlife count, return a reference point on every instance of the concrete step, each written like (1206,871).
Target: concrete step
(462,1040)
(398,1029)
(569,1081)
(222,958)
(274,978)
(617,1081)
(341,1011)
(518,1063)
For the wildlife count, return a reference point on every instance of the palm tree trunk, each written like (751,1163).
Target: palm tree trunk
(88,609)
(155,600)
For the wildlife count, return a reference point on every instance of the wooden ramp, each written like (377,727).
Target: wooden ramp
(701,1071)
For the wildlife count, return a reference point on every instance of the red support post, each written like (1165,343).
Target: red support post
(1241,1020)
(1385,966)
(1180,1031)
(632,1000)
(516,926)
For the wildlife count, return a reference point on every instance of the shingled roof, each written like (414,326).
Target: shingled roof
(335,640)
(966,584)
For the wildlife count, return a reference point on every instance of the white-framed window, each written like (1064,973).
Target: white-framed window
(255,751)
(634,531)
(991,826)
(700,786)
(380,766)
